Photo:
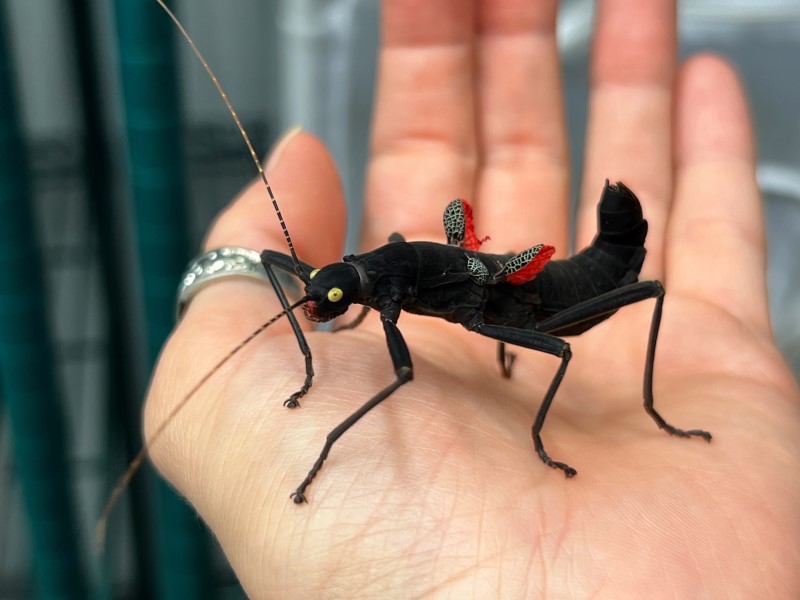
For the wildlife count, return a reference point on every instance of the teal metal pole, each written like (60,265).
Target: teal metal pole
(152,116)
(123,382)
(27,364)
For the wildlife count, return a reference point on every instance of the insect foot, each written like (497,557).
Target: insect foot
(671,429)
(292,401)
(568,471)
(687,434)
(299,495)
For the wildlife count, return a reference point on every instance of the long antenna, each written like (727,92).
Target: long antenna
(298,270)
(102,523)
(133,466)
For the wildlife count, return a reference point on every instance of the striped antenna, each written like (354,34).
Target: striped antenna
(298,269)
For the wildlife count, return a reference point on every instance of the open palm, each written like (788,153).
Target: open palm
(438,491)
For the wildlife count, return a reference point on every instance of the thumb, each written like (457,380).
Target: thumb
(307,188)
(224,312)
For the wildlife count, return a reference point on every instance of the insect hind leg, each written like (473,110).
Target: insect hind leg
(562,322)
(648,378)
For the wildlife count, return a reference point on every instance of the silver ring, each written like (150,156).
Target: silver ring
(228,261)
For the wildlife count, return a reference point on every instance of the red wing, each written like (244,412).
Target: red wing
(459,226)
(526,265)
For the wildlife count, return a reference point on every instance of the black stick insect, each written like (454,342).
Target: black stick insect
(522,299)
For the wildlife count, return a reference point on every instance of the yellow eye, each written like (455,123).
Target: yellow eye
(314,272)
(335,294)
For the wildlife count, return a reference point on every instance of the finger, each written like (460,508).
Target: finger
(629,135)
(716,242)
(305,183)
(423,140)
(523,183)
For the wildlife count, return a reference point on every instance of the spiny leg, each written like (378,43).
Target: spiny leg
(608,303)
(401,359)
(293,400)
(542,342)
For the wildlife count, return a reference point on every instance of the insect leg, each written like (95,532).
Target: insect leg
(543,342)
(506,360)
(401,359)
(293,400)
(610,302)
(648,379)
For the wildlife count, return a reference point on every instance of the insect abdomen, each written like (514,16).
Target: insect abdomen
(614,259)
(621,228)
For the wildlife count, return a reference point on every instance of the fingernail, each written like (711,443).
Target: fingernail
(280,146)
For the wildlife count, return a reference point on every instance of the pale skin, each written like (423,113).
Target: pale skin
(438,492)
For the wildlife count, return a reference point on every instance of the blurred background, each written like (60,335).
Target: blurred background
(115,154)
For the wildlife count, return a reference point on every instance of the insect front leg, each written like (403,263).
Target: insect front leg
(268,259)
(404,372)
(609,303)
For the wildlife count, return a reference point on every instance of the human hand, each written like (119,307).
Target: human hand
(438,491)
